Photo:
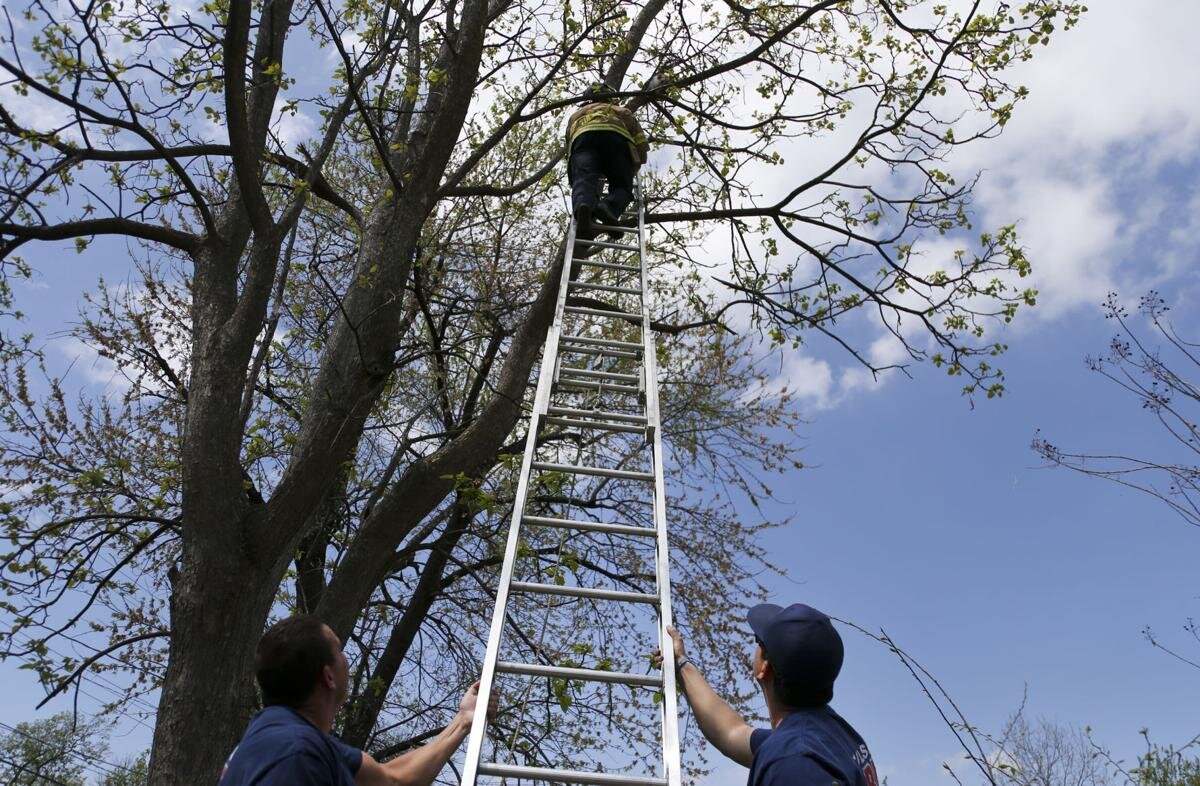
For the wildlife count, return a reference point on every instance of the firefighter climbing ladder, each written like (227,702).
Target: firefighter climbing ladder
(561,383)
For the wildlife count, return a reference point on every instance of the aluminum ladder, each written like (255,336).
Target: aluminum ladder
(621,263)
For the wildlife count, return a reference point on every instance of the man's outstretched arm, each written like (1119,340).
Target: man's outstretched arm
(420,766)
(720,723)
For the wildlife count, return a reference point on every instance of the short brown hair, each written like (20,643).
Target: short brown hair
(290,658)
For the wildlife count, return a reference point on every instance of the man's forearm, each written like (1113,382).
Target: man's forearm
(420,766)
(719,723)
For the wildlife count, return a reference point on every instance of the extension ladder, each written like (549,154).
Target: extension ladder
(556,404)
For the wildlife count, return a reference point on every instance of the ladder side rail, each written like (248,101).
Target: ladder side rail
(541,403)
(670,705)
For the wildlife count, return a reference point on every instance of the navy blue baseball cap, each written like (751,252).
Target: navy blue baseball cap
(801,643)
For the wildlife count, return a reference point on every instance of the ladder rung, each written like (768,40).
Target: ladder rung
(608,265)
(575,469)
(599,312)
(591,526)
(584,592)
(596,413)
(606,288)
(608,353)
(600,387)
(612,343)
(614,228)
(594,374)
(607,244)
(590,675)
(595,425)
(567,776)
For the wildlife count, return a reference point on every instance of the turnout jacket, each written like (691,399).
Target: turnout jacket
(603,116)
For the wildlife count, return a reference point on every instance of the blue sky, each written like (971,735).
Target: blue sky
(935,521)
(940,525)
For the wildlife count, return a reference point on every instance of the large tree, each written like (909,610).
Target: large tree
(328,345)
(1044,753)
(60,749)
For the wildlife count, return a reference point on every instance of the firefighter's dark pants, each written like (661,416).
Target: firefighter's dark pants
(597,153)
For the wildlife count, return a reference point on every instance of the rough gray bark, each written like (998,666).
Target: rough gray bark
(235,550)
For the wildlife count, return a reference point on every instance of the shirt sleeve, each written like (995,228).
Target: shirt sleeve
(352,757)
(792,770)
(757,738)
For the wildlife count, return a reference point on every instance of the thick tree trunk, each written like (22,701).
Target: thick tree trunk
(229,570)
(235,551)
(218,607)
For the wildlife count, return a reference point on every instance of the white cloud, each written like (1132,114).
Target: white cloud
(1116,78)
(211,131)
(809,379)
(96,370)
(886,350)
(352,44)
(816,383)
(1086,165)
(1070,226)
(1096,169)
(35,110)
(292,128)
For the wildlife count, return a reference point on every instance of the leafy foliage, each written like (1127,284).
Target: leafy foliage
(1166,765)
(59,749)
(1159,765)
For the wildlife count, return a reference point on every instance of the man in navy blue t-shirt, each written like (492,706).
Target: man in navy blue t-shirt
(305,678)
(797,658)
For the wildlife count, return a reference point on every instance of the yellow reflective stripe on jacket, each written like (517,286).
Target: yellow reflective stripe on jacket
(608,117)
